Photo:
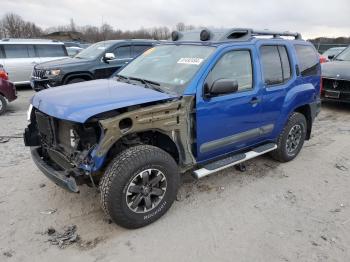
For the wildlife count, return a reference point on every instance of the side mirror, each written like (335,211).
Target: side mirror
(108,56)
(222,87)
(330,57)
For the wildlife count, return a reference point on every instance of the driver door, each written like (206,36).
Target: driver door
(232,121)
(122,56)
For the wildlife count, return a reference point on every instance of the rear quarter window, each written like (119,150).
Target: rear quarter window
(308,60)
(51,50)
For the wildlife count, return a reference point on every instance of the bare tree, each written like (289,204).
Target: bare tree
(72,25)
(180,26)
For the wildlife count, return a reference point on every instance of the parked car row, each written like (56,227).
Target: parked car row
(99,60)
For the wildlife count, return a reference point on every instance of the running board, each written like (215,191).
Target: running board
(233,160)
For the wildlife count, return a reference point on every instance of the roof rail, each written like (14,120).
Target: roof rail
(27,40)
(276,33)
(233,34)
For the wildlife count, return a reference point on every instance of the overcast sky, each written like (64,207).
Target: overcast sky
(311,18)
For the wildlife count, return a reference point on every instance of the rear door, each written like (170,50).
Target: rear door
(278,77)
(19,61)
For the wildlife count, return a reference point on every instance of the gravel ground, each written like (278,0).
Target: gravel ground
(297,211)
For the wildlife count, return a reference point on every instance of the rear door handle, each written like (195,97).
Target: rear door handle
(255,101)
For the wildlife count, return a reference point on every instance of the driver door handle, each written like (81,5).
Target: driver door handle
(255,101)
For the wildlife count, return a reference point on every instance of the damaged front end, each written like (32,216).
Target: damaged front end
(72,153)
(61,149)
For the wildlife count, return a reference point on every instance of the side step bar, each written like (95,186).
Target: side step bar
(233,160)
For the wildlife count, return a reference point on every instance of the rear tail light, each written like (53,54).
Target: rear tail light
(323,59)
(3,75)
(321,86)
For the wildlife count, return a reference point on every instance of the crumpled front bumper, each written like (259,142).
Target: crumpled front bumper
(60,178)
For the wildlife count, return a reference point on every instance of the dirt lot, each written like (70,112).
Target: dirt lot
(298,211)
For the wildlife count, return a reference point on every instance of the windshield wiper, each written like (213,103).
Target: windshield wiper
(120,77)
(148,84)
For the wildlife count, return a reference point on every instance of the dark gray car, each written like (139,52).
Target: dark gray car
(98,61)
(336,78)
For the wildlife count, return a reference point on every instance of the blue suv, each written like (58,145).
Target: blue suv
(205,101)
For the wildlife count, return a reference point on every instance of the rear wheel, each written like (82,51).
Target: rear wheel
(3,104)
(139,186)
(291,139)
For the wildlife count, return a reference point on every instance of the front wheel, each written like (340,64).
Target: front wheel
(76,80)
(291,139)
(139,186)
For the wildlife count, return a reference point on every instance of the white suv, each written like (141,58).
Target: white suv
(20,55)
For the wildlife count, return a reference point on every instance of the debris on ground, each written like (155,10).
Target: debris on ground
(314,243)
(89,244)
(290,196)
(62,240)
(42,185)
(4,139)
(336,210)
(50,231)
(241,167)
(8,253)
(341,167)
(48,211)
(108,220)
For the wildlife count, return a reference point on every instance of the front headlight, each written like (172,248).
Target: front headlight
(29,112)
(53,72)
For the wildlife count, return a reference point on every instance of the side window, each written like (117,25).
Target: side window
(275,64)
(31,51)
(285,62)
(308,60)
(16,51)
(122,52)
(271,65)
(235,65)
(139,49)
(50,50)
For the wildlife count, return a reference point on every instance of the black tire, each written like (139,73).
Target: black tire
(3,104)
(76,80)
(121,174)
(285,152)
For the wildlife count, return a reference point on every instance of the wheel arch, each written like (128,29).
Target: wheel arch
(306,111)
(150,137)
(85,75)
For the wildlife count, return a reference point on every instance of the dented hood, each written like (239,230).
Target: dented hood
(78,102)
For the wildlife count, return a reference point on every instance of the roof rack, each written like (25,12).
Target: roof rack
(27,40)
(233,34)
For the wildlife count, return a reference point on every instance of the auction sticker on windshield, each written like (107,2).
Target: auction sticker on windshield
(190,60)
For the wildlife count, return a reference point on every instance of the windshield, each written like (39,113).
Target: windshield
(94,50)
(344,56)
(169,66)
(333,51)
